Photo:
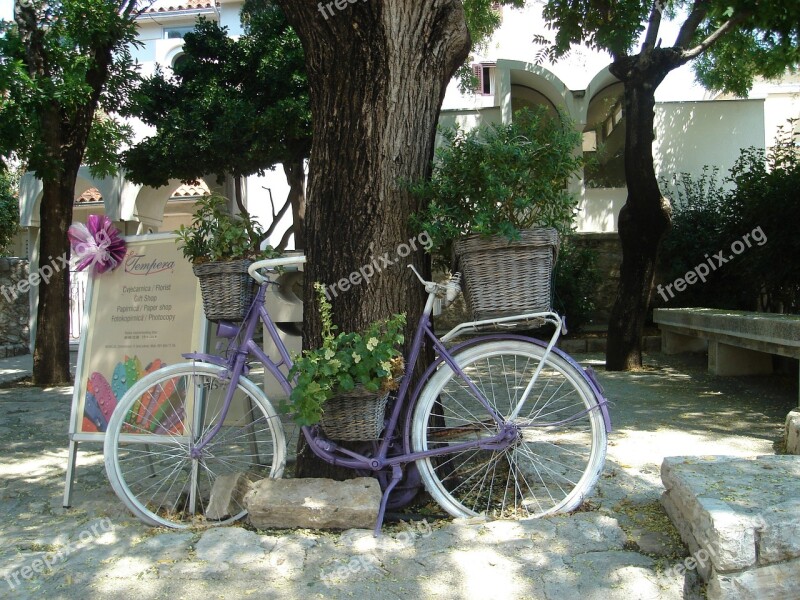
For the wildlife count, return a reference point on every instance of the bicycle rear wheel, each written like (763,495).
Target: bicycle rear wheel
(559,444)
(157,423)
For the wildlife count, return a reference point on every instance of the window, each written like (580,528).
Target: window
(484,73)
(176,62)
(176,33)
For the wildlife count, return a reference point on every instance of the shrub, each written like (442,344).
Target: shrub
(706,219)
(9,210)
(500,179)
(577,279)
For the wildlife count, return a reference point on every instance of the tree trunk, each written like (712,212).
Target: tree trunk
(645,217)
(296,178)
(51,350)
(377,73)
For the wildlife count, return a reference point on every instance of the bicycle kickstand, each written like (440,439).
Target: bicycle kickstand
(397,475)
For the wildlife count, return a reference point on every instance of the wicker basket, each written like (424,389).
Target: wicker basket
(227,289)
(356,415)
(503,278)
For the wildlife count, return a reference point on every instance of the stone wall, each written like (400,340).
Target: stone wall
(608,250)
(14,308)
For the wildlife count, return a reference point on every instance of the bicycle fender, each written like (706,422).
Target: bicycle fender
(212,359)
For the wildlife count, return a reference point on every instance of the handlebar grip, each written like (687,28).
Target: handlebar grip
(271,263)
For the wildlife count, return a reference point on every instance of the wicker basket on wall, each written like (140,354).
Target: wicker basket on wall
(504,278)
(227,289)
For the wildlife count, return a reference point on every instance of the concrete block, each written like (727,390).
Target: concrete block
(792,435)
(724,359)
(314,503)
(675,343)
(652,343)
(596,344)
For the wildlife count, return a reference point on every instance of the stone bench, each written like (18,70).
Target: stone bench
(738,342)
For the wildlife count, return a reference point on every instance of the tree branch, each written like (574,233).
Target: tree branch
(711,39)
(653,26)
(689,27)
(275,217)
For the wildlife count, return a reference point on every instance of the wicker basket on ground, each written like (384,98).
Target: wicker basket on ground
(504,278)
(356,415)
(227,289)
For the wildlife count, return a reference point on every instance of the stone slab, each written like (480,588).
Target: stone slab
(772,582)
(742,513)
(762,332)
(314,503)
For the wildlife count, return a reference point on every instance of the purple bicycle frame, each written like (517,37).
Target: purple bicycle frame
(333,453)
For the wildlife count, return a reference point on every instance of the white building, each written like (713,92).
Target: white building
(692,130)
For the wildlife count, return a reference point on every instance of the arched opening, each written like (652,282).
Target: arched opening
(604,139)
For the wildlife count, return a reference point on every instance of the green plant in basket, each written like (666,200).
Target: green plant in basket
(500,179)
(217,235)
(371,359)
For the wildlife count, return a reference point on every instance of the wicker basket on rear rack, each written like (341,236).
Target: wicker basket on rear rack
(357,415)
(227,289)
(503,278)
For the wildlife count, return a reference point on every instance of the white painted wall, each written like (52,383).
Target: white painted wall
(690,135)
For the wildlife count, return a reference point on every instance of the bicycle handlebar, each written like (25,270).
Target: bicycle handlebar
(271,263)
(448,291)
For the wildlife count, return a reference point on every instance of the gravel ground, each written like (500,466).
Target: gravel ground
(619,546)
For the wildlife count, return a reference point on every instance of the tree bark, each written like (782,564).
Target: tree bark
(377,72)
(645,217)
(296,178)
(51,350)
(65,133)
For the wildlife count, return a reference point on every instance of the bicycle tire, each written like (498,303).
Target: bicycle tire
(548,469)
(156,423)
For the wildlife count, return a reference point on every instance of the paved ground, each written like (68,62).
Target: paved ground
(620,547)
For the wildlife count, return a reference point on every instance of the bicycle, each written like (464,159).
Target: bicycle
(500,425)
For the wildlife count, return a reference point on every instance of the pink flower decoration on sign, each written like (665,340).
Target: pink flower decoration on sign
(96,245)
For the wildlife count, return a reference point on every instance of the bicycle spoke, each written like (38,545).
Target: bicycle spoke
(152,466)
(556,443)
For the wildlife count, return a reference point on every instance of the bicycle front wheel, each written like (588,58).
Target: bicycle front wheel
(559,446)
(150,446)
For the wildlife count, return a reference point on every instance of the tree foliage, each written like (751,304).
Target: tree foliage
(9,209)
(65,65)
(59,59)
(733,40)
(232,106)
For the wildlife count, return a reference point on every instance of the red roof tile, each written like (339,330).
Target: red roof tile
(90,195)
(179,6)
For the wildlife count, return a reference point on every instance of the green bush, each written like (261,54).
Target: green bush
(699,228)
(761,195)
(499,180)
(9,210)
(577,279)
(766,196)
